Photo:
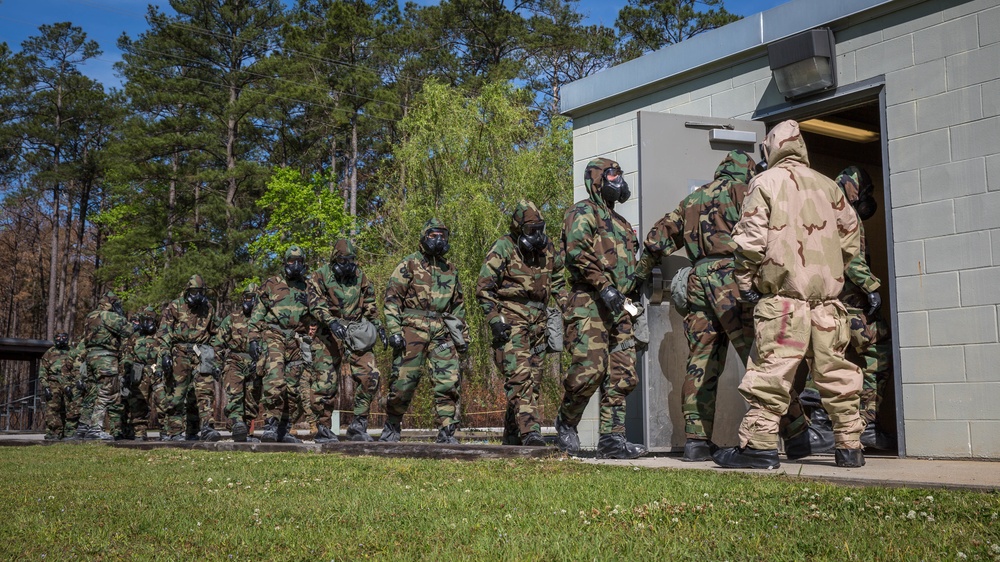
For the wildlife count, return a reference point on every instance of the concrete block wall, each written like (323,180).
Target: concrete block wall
(940,60)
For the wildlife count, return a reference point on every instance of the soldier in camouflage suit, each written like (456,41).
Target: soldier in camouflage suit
(283,321)
(340,294)
(870,334)
(522,270)
(104,331)
(239,373)
(423,306)
(139,365)
(53,369)
(600,248)
(188,331)
(702,225)
(795,239)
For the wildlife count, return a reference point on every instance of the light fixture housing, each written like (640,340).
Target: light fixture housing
(805,63)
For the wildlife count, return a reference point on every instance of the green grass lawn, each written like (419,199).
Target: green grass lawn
(98,503)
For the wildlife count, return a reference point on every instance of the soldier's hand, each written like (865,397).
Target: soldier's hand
(501,332)
(47,392)
(462,347)
(749,296)
(383,338)
(254,350)
(68,390)
(338,330)
(397,343)
(81,386)
(167,363)
(300,297)
(125,392)
(874,303)
(613,299)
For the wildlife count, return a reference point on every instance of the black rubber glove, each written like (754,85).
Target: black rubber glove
(124,391)
(81,386)
(300,297)
(383,338)
(338,330)
(462,348)
(874,303)
(749,296)
(68,390)
(47,393)
(613,299)
(167,363)
(501,332)
(397,343)
(254,350)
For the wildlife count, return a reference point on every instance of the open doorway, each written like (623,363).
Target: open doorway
(852,136)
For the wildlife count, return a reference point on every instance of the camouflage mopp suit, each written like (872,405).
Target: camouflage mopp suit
(240,375)
(796,236)
(105,330)
(57,379)
(599,247)
(521,272)
(425,313)
(141,377)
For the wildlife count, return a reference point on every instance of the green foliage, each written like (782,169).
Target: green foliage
(103,503)
(302,213)
(648,25)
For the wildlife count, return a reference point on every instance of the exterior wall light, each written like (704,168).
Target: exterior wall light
(805,63)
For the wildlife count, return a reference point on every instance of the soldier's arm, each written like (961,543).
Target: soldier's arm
(458,306)
(164,334)
(557,281)
(849,229)
(579,235)
(369,306)
(750,236)
(858,271)
(666,236)
(45,368)
(258,320)
(215,339)
(316,299)
(120,326)
(490,279)
(395,292)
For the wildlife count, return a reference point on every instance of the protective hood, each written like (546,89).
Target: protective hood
(737,167)
(108,302)
(784,142)
(195,282)
(856,184)
(343,248)
(433,224)
(251,290)
(593,176)
(525,212)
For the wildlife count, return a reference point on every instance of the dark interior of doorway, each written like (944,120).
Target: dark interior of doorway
(829,155)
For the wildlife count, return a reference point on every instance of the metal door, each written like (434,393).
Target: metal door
(677,154)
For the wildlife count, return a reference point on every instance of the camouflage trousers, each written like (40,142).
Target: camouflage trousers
(103,397)
(432,344)
(185,380)
(242,387)
(603,357)
(135,410)
(320,381)
(56,422)
(788,331)
(871,350)
(283,370)
(520,361)
(716,318)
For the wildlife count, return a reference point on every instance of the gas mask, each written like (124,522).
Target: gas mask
(147,325)
(436,242)
(116,307)
(762,161)
(533,238)
(865,207)
(344,268)
(62,340)
(195,297)
(248,304)
(614,188)
(295,268)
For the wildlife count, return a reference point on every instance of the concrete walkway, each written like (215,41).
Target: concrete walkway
(885,471)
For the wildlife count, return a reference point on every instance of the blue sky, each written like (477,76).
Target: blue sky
(105,20)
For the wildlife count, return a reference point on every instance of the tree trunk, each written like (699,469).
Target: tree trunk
(354,169)
(62,306)
(171,208)
(54,258)
(78,261)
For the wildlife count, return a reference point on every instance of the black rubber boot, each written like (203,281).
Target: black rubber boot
(446,435)
(532,439)
(81,431)
(324,435)
(391,432)
(52,437)
(567,438)
(615,446)
(745,457)
(178,438)
(97,433)
(873,438)
(358,430)
(798,447)
(698,450)
(270,434)
(284,436)
(849,458)
(208,433)
(240,432)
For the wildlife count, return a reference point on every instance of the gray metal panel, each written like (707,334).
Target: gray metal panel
(752,32)
(674,158)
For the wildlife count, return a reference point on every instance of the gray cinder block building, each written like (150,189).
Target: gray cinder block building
(908,90)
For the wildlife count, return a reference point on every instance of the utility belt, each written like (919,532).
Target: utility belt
(627,344)
(711,259)
(424,313)
(288,333)
(537,305)
(185,346)
(100,352)
(240,356)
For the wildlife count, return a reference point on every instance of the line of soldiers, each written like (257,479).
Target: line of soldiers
(752,278)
